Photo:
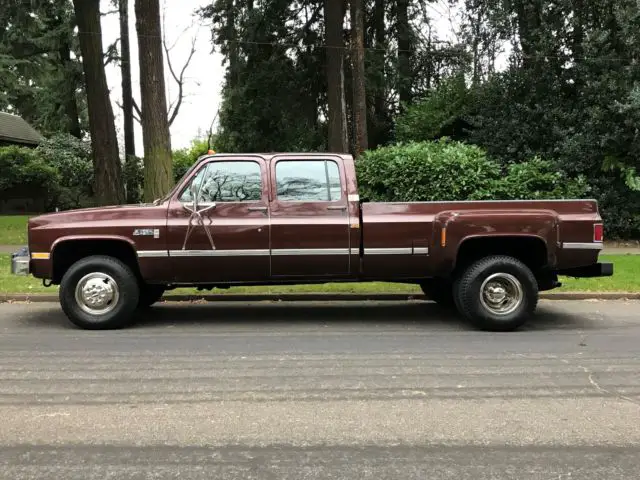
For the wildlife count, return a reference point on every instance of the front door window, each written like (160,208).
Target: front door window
(226,182)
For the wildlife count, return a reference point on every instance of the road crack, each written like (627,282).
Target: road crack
(594,383)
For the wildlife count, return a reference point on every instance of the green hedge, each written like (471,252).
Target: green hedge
(59,172)
(24,174)
(445,170)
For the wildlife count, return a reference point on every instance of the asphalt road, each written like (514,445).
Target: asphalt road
(313,391)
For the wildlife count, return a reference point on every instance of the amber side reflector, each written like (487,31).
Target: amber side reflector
(598,232)
(443,237)
(40,255)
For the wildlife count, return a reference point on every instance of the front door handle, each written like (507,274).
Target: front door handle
(257,209)
(337,207)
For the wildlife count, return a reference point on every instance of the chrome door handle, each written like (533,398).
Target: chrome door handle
(337,207)
(257,209)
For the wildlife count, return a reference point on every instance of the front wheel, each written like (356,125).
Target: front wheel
(497,293)
(99,292)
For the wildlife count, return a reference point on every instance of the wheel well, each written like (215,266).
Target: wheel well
(67,253)
(532,251)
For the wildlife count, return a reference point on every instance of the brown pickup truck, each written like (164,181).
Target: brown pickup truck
(250,219)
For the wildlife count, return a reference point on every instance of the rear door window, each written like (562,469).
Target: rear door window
(308,181)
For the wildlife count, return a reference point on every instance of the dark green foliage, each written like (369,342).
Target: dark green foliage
(59,173)
(71,158)
(274,79)
(439,114)
(448,171)
(133,176)
(535,179)
(184,158)
(25,175)
(40,72)
(275,92)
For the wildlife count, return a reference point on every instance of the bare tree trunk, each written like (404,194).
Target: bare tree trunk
(334,17)
(359,90)
(104,142)
(404,54)
(158,168)
(127,96)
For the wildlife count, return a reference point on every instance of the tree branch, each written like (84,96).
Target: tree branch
(137,111)
(210,131)
(137,118)
(179,78)
(174,106)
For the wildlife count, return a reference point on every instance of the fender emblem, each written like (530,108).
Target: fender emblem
(147,232)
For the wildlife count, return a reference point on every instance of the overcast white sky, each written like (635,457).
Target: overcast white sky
(205,74)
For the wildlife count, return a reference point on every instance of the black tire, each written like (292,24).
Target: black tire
(116,314)
(150,294)
(440,291)
(509,275)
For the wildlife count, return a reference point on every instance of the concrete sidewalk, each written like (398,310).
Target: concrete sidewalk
(631,248)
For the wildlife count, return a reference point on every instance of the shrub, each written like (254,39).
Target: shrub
(424,171)
(449,171)
(132,173)
(184,158)
(26,175)
(71,158)
(536,179)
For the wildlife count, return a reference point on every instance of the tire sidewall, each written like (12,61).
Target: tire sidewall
(469,292)
(127,286)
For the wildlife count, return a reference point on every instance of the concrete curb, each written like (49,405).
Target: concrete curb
(326,297)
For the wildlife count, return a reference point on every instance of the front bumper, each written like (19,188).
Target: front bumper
(589,271)
(21,262)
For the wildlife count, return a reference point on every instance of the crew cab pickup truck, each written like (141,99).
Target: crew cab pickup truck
(268,219)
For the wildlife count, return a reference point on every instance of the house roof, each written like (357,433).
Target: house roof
(14,129)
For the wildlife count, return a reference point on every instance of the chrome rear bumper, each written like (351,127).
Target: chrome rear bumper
(20,262)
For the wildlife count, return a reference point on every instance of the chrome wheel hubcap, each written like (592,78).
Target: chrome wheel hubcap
(97,293)
(501,293)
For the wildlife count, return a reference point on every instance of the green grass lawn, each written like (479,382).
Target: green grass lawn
(626,278)
(13,229)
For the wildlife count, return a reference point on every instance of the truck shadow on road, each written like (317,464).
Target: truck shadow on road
(388,314)
(396,315)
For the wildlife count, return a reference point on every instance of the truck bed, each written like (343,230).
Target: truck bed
(404,237)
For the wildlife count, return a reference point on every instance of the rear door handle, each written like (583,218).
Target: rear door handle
(257,209)
(337,207)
